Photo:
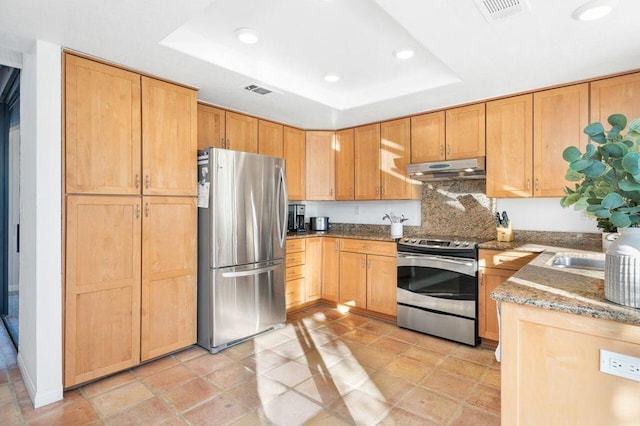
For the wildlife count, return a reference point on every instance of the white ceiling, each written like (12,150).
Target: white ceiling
(460,57)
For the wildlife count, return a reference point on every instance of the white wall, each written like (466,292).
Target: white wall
(40,349)
(544,214)
(364,212)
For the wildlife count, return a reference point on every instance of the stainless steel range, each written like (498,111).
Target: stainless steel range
(438,288)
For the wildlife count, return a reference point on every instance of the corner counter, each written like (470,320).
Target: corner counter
(553,324)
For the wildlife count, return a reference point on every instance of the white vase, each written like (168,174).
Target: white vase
(622,269)
(396,230)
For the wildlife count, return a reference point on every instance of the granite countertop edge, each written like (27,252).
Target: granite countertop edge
(342,234)
(575,291)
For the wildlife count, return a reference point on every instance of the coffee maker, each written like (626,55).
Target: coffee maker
(296,218)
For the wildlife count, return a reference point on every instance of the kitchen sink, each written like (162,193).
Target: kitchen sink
(578,263)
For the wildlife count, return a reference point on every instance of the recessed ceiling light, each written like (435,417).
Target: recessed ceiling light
(404,53)
(331,77)
(594,10)
(247,35)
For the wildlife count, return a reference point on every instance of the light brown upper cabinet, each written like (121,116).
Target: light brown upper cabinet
(294,155)
(102,128)
(524,147)
(367,162)
(465,132)
(615,95)
(270,138)
(559,118)
(321,163)
(241,132)
(395,149)
(510,146)
(427,137)
(344,164)
(211,127)
(168,320)
(169,138)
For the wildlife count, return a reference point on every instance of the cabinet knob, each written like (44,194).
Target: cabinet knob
(537,185)
(147,208)
(528,184)
(137,180)
(147,181)
(138,211)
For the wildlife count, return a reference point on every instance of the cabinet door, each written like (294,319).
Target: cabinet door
(169,138)
(313,274)
(211,127)
(344,164)
(294,155)
(367,162)
(320,181)
(559,118)
(168,275)
(616,95)
(270,138)
(382,279)
(490,278)
(395,145)
(465,127)
(331,269)
(102,286)
(353,279)
(509,147)
(242,132)
(102,128)
(427,137)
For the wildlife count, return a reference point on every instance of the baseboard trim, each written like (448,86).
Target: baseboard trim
(38,398)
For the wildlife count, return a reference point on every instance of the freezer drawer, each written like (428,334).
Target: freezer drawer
(244,301)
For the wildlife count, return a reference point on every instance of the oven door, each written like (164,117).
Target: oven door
(439,283)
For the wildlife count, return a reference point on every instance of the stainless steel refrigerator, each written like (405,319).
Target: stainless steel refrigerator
(242,225)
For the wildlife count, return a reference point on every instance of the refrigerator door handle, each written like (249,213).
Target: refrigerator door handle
(251,271)
(282,215)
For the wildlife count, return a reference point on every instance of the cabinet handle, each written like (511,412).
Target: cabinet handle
(382,190)
(331,192)
(537,185)
(528,184)
(147,181)
(449,149)
(368,264)
(228,144)
(222,142)
(138,211)
(377,190)
(351,191)
(147,208)
(441,150)
(362,263)
(337,247)
(137,181)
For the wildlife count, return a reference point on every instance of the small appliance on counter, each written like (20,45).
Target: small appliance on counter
(319,224)
(296,218)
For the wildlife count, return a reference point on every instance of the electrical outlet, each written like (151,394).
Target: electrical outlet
(620,365)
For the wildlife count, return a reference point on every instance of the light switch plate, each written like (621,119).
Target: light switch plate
(620,365)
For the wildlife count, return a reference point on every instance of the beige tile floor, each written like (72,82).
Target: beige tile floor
(324,368)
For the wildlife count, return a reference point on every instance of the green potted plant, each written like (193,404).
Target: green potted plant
(607,176)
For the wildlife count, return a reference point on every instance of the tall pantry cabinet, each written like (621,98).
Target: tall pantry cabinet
(130,219)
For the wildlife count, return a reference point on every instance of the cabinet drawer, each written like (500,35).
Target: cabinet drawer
(512,260)
(295,292)
(381,248)
(295,259)
(294,272)
(294,245)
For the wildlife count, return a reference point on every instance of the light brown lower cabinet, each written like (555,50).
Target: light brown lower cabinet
(130,282)
(368,275)
(169,273)
(295,272)
(313,274)
(496,266)
(550,369)
(331,269)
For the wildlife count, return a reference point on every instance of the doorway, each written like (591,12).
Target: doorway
(10,199)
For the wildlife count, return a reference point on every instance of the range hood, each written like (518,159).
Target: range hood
(470,168)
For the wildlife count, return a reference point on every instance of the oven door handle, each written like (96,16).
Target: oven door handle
(464,266)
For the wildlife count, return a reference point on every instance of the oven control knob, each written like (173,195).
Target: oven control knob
(466,243)
(406,240)
(413,241)
(456,243)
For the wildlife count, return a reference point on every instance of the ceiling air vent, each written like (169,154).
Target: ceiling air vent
(495,10)
(259,90)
